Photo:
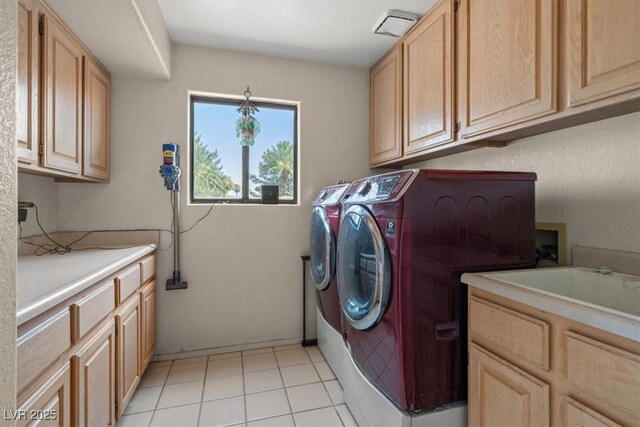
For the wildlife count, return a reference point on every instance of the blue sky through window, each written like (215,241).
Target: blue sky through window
(216,125)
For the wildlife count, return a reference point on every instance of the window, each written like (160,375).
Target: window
(224,171)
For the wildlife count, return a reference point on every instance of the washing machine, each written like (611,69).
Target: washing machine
(405,238)
(325,220)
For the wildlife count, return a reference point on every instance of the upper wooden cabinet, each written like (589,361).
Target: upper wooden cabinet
(28,75)
(97,90)
(602,52)
(62,97)
(386,108)
(63,100)
(486,72)
(507,65)
(428,80)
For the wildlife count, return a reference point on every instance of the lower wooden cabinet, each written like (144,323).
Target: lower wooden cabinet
(502,394)
(579,415)
(94,380)
(50,403)
(148,300)
(88,381)
(128,367)
(528,367)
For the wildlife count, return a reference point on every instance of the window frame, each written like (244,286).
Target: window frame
(245,199)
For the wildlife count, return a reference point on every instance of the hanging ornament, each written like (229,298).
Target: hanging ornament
(247,126)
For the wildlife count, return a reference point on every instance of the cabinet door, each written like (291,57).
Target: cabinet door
(49,405)
(148,300)
(507,63)
(602,54)
(128,352)
(97,91)
(579,415)
(386,108)
(28,63)
(62,87)
(500,394)
(94,377)
(428,80)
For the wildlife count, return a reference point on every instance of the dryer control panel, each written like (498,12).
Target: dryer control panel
(387,187)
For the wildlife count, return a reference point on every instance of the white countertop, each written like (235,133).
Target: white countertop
(47,280)
(609,302)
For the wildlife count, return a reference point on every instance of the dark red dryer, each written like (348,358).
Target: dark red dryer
(405,239)
(325,220)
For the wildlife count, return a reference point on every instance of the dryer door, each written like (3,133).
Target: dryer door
(322,249)
(364,276)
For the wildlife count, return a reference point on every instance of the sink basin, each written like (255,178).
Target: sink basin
(614,292)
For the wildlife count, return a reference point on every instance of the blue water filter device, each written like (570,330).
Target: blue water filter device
(170,168)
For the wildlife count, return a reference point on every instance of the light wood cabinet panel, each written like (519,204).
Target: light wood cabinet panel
(128,369)
(507,63)
(607,372)
(522,336)
(148,268)
(148,299)
(428,80)
(127,283)
(62,97)
(579,415)
(602,49)
(94,380)
(38,348)
(28,81)
(500,394)
(386,108)
(49,405)
(97,93)
(91,309)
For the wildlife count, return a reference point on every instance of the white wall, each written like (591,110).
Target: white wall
(8,207)
(243,262)
(43,191)
(588,178)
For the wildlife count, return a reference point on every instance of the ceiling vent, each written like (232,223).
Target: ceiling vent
(395,23)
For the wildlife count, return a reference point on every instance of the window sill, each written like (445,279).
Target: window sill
(278,205)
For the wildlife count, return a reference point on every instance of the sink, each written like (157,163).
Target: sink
(614,292)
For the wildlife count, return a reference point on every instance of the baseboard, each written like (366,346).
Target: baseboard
(224,349)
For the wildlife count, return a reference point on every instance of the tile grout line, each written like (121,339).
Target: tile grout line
(164,383)
(286,393)
(204,383)
(332,402)
(244,389)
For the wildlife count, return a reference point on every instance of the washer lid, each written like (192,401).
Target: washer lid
(364,270)
(322,249)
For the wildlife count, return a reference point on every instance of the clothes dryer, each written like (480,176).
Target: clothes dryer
(405,239)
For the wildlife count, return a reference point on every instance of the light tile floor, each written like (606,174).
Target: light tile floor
(267,387)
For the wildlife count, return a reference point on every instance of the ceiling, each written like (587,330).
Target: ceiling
(329,31)
(127,36)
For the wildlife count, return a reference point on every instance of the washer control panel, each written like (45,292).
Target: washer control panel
(331,195)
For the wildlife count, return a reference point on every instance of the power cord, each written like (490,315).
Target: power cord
(57,248)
